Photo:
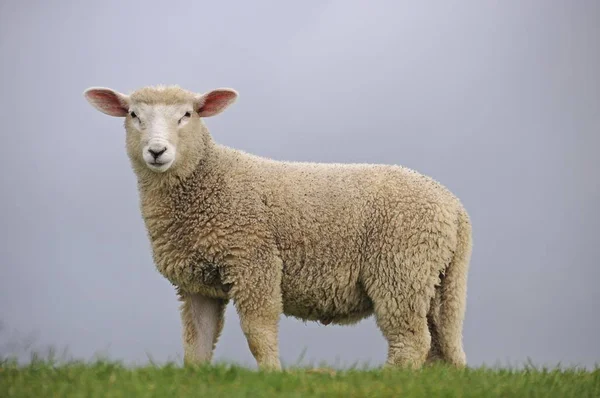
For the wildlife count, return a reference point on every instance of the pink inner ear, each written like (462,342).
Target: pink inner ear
(215,102)
(109,102)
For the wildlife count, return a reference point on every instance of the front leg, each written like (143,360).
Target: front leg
(202,320)
(257,296)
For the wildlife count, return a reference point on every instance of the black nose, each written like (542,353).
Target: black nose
(156,154)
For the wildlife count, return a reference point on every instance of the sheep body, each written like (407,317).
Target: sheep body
(333,243)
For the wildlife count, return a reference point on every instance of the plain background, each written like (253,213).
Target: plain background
(499,101)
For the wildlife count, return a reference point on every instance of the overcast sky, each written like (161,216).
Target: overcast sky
(499,101)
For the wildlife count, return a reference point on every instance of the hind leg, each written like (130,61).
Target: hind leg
(450,315)
(448,307)
(435,351)
(401,276)
(407,336)
(401,302)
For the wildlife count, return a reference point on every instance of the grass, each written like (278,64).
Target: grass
(43,378)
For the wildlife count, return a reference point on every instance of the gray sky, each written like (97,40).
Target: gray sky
(499,101)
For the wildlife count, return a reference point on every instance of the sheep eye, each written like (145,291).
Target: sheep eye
(187,114)
(133,114)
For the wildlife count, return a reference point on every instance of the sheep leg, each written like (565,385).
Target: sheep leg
(262,336)
(257,297)
(450,301)
(435,352)
(408,338)
(401,295)
(202,320)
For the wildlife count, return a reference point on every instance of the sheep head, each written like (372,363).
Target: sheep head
(162,123)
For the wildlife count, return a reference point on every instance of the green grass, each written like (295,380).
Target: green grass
(110,379)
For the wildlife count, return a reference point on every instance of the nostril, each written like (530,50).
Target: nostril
(156,153)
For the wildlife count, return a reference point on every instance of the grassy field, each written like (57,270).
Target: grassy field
(109,379)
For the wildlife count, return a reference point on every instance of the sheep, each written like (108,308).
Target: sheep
(327,242)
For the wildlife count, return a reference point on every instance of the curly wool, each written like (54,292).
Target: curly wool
(322,242)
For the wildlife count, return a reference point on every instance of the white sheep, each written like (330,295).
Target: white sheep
(333,243)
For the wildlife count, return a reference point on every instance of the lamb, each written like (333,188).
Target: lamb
(334,243)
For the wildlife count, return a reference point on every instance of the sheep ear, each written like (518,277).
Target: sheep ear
(108,101)
(215,101)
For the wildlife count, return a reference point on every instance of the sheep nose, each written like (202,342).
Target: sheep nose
(155,154)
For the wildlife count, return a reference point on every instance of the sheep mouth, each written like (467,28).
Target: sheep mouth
(159,166)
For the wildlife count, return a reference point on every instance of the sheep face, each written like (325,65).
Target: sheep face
(162,122)
(153,132)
